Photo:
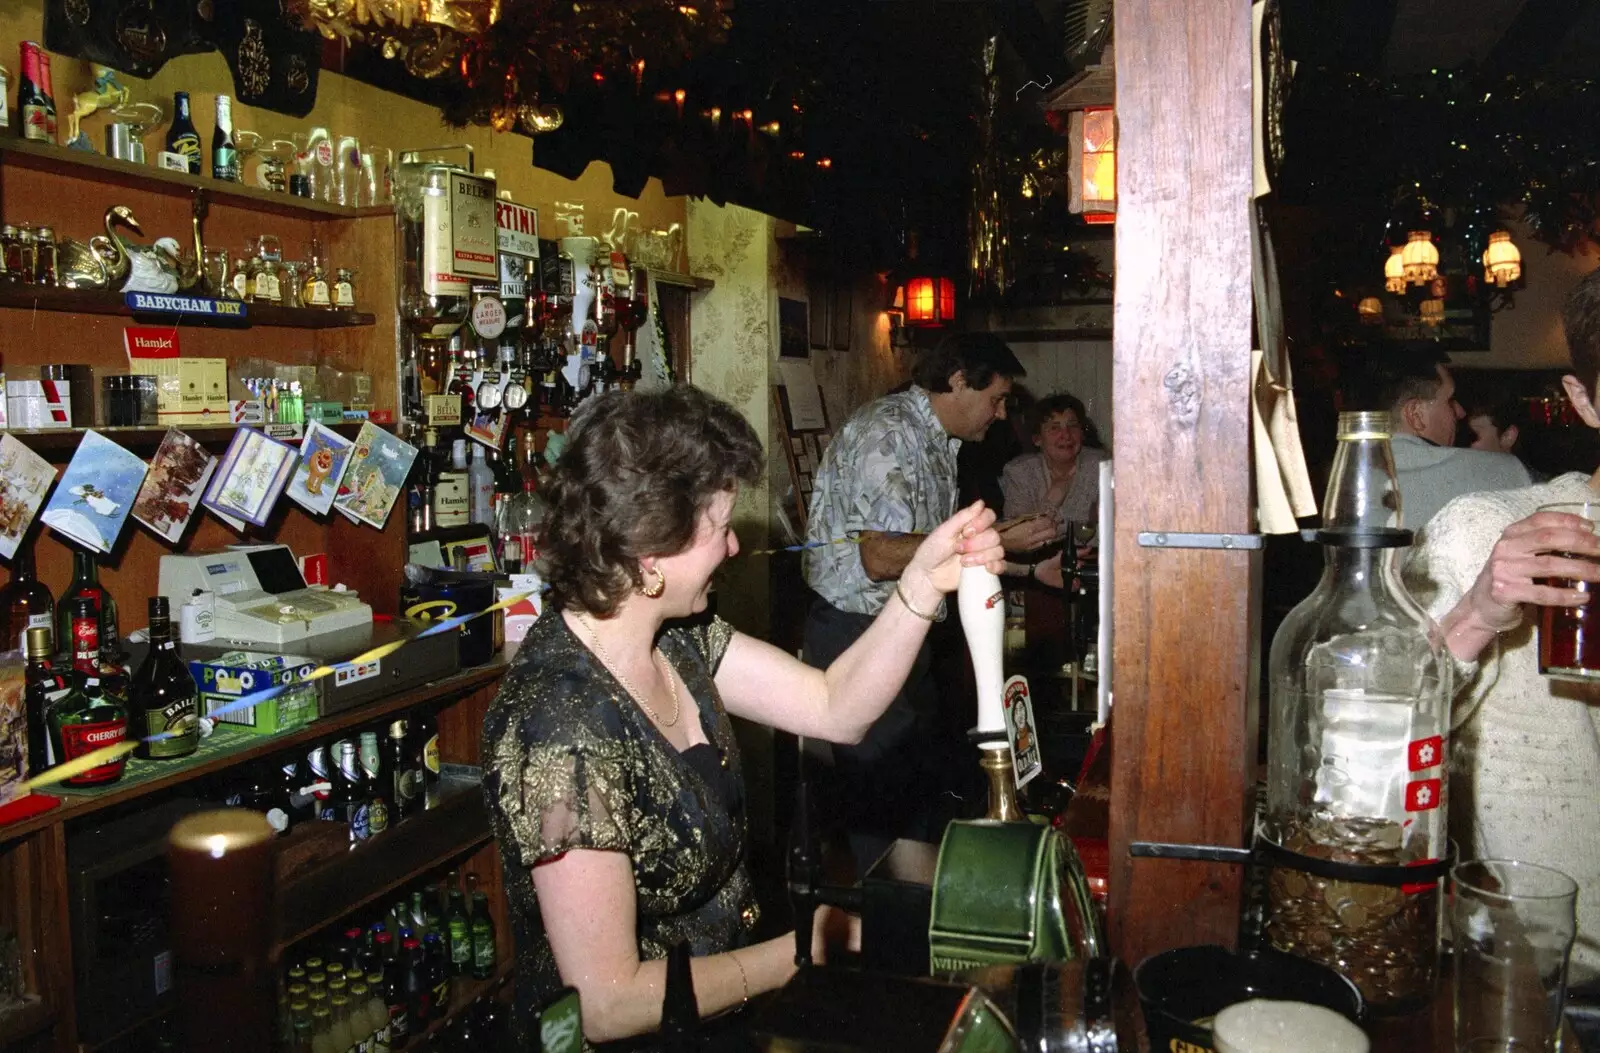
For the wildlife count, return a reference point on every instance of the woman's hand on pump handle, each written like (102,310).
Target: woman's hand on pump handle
(1544,545)
(966,539)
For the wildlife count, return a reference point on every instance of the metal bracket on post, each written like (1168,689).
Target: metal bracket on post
(1179,539)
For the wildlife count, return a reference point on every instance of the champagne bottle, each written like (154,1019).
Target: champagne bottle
(163,701)
(224,156)
(32,115)
(182,139)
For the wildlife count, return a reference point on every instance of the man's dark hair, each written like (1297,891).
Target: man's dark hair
(1580,317)
(979,356)
(1399,378)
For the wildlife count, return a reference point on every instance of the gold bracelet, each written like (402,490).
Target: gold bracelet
(900,592)
(743,979)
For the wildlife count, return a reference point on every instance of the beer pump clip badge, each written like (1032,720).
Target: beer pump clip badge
(1021,731)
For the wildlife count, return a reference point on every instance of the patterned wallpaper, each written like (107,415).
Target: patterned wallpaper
(731,338)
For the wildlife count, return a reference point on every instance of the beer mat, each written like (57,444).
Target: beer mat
(27,806)
(224,740)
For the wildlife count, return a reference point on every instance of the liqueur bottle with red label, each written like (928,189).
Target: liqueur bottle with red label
(86,718)
(86,585)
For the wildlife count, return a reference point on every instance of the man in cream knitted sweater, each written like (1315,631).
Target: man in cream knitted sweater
(1525,763)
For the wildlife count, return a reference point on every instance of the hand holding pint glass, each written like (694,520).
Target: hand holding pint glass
(1569,632)
(1549,561)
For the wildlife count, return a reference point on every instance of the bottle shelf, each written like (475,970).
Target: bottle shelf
(351,878)
(464,991)
(77,803)
(58,160)
(110,302)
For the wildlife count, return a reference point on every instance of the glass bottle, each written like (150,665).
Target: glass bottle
(425,752)
(163,700)
(346,802)
(419,987)
(314,289)
(483,952)
(43,687)
(49,85)
(224,156)
(344,289)
(452,494)
(44,256)
(32,108)
(243,282)
(266,283)
(86,583)
(86,718)
(459,929)
(182,138)
(1359,691)
(438,965)
(374,788)
(405,776)
(24,602)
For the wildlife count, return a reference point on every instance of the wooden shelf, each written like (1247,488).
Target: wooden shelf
(23,1021)
(65,440)
(77,804)
(344,883)
(108,301)
(464,990)
(686,281)
(58,160)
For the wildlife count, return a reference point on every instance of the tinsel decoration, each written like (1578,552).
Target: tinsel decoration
(500,52)
(1450,140)
(986,212)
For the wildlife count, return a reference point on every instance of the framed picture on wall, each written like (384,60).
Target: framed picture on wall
(840,316)
(817,296)
(793,341)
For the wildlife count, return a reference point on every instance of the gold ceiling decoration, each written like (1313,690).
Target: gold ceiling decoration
(492,43)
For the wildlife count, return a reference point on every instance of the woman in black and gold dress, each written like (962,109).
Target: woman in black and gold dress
(612,776)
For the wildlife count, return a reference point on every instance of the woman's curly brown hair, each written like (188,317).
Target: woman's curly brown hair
(636,475)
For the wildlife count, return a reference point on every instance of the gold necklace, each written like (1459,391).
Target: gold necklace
(638,697)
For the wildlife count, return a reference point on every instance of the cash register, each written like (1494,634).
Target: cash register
(260,595)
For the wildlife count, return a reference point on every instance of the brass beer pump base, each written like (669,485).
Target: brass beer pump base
(997,764)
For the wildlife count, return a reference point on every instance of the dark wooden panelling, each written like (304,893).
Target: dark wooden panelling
(1184,621)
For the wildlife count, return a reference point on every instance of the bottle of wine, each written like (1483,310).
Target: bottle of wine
(483,953)
(224,156)
(163,701)
(86,718)
(86,585)
(44,687)
(25,603)
(182,138)
(459,928)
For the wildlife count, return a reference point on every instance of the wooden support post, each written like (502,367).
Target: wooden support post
(1186,620)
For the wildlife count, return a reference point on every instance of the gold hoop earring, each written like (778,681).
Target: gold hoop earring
(655,589)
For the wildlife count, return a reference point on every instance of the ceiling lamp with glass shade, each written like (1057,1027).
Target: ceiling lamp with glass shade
(929,302)
(1082,107)
(1394,272)
(1502,263)
(1370,310)
(1432,312)
(1420,258)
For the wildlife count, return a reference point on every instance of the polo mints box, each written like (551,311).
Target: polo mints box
(229,677)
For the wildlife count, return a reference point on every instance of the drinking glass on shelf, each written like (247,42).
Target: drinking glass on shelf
(218,275)
(246,144)
(292,272)
(1514,925)
(272,171)
(347,172)
(1568,645)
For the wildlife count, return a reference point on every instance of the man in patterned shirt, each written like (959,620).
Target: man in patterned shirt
(890,475)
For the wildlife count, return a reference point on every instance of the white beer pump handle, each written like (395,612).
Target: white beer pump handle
(982,603)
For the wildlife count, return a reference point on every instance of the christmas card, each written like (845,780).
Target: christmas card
(177,477)
(376,475)
(324,456)
(25,478)
(250,477)
(96,493)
